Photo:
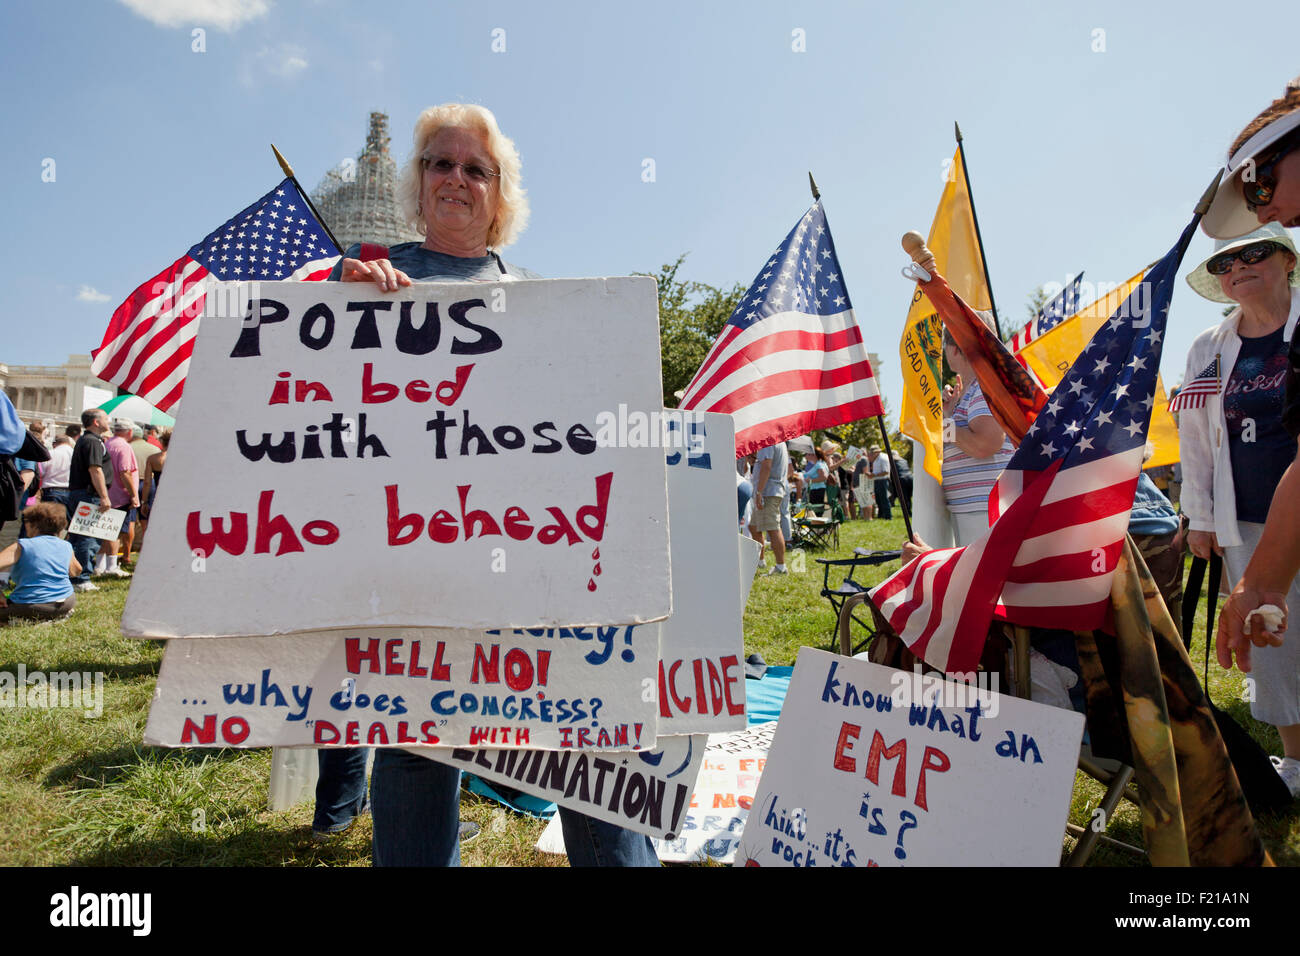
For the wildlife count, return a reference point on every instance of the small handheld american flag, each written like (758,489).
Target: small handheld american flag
(147,345)
(1194,393)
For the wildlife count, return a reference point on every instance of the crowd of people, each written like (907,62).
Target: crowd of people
(776,482)
(462,191)
(99,462)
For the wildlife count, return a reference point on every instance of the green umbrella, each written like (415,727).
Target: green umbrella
(138,410)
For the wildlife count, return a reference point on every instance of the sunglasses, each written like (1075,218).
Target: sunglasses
(1259,192)
(1249,255)
(473,171)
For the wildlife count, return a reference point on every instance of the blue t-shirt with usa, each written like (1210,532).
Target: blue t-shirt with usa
(1259,446)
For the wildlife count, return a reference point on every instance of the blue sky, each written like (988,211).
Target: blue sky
(1080,158)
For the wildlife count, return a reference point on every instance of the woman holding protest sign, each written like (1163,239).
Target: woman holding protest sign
(461,189)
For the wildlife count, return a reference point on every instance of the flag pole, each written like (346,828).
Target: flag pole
(288,171)
(904,505)
(979,239)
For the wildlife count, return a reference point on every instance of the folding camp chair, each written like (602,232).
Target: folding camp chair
(839,594)
(1114,775)
(812,532)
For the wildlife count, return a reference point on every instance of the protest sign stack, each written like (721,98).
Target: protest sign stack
(416,520)
(700,683)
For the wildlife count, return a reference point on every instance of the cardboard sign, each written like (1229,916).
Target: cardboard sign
(88,520)
(612,672)
(702,648)
(568,688)
(872,766)
(452,455)
(647,791)
(724,792)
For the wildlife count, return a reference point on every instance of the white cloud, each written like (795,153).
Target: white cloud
(90,294)
(225,15)
(284,60)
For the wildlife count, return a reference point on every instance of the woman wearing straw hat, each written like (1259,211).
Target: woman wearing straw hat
(1262,185)
(1235,446)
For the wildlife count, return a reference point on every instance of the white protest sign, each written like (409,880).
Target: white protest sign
(446,455)
(646,791)
(724,792)
(573,688)
(702,646)
(863,772)
(603,678)
(88,520)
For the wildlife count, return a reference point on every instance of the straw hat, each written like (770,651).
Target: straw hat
(1207,286)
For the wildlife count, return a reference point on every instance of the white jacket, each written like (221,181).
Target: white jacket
(1209,498)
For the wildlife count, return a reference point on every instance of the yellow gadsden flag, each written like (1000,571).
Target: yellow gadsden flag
(1051,355)
(957,255)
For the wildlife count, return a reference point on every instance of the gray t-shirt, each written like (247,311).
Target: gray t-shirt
(428,266)
(780,458)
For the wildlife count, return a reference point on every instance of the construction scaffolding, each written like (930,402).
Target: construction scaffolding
(358,199)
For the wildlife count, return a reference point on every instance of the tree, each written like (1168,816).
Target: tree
(691,316)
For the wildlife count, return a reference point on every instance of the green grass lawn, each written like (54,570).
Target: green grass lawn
(82,790)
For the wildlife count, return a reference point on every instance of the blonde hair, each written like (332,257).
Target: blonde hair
(512,210)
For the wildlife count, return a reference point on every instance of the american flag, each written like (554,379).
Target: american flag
(1192,395)
(1052,314)
(1060,510)
(790,358)
(147,346)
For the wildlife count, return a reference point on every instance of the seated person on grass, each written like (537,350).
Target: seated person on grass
(43,565)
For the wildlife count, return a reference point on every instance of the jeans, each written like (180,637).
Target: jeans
(591,842)
(881,486)
(55,494)
(414,803)
(744,491)
(417,821)
(341,794)
(84,548)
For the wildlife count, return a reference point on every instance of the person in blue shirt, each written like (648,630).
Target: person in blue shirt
(43,564)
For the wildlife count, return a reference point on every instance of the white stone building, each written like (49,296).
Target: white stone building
(54,393)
